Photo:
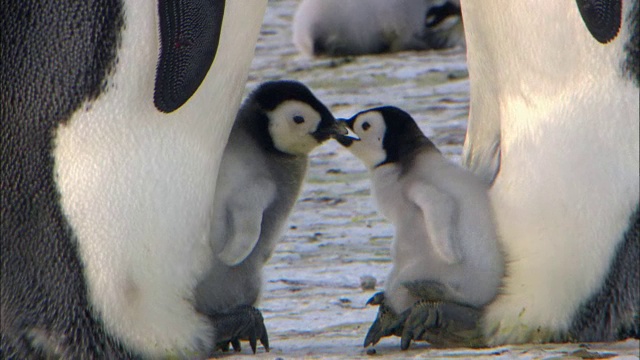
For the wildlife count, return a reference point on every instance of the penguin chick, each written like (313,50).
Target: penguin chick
(356,27)
(444,231)
(262,169)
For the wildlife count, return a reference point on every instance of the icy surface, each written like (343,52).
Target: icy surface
(313,303)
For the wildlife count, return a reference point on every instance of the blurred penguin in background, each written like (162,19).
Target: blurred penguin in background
(357,27)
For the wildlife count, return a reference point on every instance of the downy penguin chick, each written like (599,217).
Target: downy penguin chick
(261,173)
(444,231)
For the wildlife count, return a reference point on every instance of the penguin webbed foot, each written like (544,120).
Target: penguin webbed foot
(387,322)
(439,320)
(242,323)
(433,318)
(442,324)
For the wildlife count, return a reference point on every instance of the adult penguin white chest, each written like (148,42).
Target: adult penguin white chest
(554,126)
(115,118)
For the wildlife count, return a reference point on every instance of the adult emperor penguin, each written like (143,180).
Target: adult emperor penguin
(356,27)
(115,115)
(262,169)
(445,244)
(554,127)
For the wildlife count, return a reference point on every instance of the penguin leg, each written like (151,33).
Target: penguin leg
(441,322)
(242,323)
(387,322)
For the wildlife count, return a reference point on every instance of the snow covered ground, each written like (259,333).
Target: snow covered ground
(313,303)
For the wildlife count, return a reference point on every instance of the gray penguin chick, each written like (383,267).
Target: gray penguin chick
(356,27)
(444,231)
(261,173)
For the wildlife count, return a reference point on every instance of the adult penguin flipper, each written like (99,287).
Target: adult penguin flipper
(602,17)
(189,36)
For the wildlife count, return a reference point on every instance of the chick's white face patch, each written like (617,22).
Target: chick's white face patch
(370,128)
(291,125)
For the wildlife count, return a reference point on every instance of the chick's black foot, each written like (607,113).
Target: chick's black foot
(242,323)
(434,318)
(387,322)
(442,324)
(439,320)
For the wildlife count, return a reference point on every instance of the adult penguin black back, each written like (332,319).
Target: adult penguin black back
(553,126)
(110,113)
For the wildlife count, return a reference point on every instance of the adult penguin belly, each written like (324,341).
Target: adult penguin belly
(136,168)
(554,125)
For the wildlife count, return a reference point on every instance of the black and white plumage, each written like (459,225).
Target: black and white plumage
(554,127)
(444,230)
(114,118)
(356,27)
(262,170)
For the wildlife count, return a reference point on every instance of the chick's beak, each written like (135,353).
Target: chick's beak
(346,138)
(338,128)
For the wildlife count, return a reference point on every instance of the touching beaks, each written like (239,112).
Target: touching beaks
(348,132)
(329,129)
(348,137)
(340,128)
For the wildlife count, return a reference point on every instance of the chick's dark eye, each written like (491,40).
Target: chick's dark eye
(366,126)
(298,119)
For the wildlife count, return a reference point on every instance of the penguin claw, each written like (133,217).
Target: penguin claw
(376,299)
(387,322)
(253,341)
(242,323)
(236,345)
(264,338)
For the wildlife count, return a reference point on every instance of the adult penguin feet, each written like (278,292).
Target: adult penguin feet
(431,318)
(242,323)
